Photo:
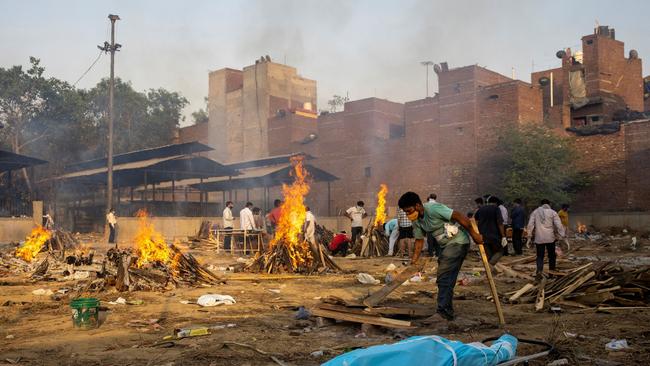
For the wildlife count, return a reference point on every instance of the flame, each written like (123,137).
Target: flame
(292,217)
(581,228)
(380,212)
(33,243)
(150,245)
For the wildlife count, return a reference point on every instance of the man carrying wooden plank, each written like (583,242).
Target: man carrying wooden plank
(440,220)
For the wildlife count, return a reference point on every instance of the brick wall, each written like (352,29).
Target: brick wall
(637,164)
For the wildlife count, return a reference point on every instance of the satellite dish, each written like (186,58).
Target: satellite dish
(437,69)
(560,54)
(543,81)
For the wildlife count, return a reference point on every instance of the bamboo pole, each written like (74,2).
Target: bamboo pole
(493,286)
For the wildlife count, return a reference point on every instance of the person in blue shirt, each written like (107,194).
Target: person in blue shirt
(442,222)
(392,233)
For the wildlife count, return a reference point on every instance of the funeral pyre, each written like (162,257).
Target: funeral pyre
(289,250)
(373,241)
(151,264)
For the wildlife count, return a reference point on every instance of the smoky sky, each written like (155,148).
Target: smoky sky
(362,48)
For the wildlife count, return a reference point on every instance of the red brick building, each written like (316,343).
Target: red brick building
(445,144)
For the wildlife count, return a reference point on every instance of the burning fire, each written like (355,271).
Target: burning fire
(582,228)
(292,217)
(33,244)
(380,212)
(150,246)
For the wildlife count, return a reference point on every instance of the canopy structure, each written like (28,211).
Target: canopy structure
(152,166)
(263,177)
(10,161)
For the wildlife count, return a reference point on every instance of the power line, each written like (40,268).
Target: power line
(91,66)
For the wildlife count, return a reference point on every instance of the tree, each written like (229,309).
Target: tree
(337,102)
(142,119)
(201,116)
(539,163)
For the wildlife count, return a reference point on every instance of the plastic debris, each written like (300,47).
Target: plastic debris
(119,301)
(367,279)
(617,345)
(42,292)
(215,299)
(316,354)
(560,362)
(302,313)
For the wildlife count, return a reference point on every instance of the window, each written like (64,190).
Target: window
(493,96)
(367,172)
(460,131)
(395,131)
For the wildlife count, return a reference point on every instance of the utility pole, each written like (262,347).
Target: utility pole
(112,48)
(426,64)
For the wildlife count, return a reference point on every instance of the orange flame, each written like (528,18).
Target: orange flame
(380,212)
(33,244)
(292,217)
(150,245)
(582,228)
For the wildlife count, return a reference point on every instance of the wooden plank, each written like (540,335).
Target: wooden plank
(593,299)
(527,287)
(539,302)
(530,258)
(375,298)
(345,302)
(571,303)
(573,286)
(368,319)
(512,273)
(415,310)
(344,309)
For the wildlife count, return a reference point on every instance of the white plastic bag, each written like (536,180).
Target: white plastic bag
(367,279)
(215,299)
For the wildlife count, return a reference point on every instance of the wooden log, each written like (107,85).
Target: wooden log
(512,273)
(367,319)
(593,299)
(572,287)
(413,310)
(375,298)
(539,302)
(527,287)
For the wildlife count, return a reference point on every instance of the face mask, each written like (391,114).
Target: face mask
(413,215)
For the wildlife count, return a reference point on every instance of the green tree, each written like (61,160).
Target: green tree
(538,163)
(142,119)
(201,116)
(337,102)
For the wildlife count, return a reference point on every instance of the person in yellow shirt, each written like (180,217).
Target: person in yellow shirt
(564,216)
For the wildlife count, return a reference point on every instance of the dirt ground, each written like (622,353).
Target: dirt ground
(36,330)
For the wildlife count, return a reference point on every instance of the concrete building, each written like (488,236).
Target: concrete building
(240,103)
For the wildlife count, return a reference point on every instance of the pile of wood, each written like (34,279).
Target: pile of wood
(61,240)
(302,258)
(596,286)
(323,235)
(373,309)
(373,243)
(204,238)
(183,270)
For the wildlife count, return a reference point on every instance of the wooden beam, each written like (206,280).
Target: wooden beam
(521,291)
(367,319)
(375,298)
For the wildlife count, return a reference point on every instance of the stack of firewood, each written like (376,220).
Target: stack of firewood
(591,285)
(301,258)
(373,242)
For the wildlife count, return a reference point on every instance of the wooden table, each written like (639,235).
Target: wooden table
(220,234)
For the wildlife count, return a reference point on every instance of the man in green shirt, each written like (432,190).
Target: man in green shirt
(442,222)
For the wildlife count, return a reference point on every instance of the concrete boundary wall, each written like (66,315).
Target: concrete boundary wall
(15,229)
(601,220)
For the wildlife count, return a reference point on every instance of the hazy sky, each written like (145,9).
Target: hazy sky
(365,48)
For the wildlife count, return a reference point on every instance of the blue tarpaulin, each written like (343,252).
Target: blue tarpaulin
(430,351)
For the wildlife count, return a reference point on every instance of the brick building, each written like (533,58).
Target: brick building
(443,144)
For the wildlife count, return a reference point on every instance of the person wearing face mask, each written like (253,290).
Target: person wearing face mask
(441,221)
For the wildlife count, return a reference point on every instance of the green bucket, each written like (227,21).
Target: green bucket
(85,313)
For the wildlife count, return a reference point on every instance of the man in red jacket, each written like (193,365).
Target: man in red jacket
(340,244)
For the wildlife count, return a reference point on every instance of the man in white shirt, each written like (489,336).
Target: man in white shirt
(112,224)
(544,224)
(228,223)
(310,227)
(356,215)
(246,219)
(433,197)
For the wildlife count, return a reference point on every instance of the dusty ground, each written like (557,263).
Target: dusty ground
(40,332)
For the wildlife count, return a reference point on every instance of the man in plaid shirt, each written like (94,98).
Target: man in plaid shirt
(405,238)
